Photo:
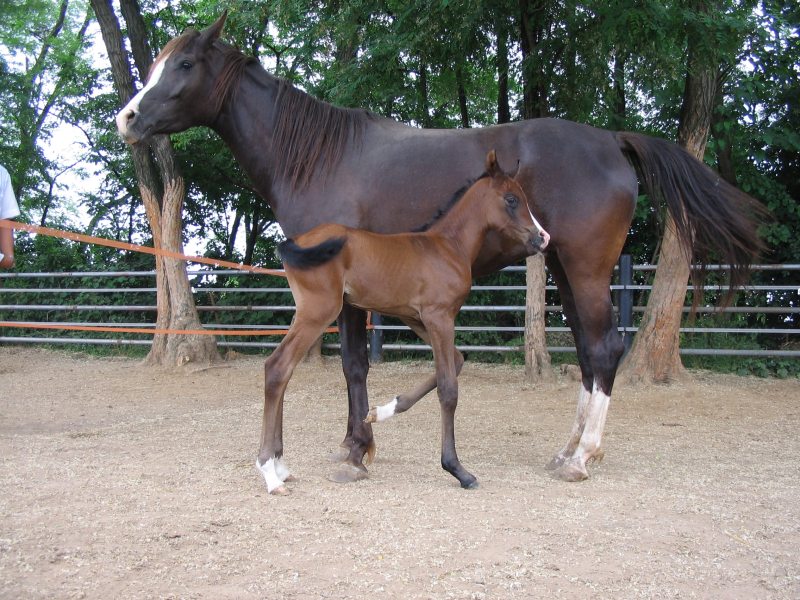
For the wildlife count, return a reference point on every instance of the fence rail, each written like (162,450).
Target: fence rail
(624,289)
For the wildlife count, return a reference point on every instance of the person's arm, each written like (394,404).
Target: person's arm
(6,248)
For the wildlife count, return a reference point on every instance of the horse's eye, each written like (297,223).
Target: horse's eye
(186,65)
(511,200)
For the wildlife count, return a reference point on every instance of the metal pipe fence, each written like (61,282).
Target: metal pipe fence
(630,280)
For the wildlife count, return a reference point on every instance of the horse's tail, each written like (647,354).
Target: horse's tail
(712,217)
(313,256)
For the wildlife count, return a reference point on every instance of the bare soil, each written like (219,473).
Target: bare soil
(120,481)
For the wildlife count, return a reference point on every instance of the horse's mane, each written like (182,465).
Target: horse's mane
(443,210)
(309,135)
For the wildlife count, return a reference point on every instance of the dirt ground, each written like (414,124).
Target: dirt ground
(120,481)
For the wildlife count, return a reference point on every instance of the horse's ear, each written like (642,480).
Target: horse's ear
(491,164)
(211,34)
(516,171)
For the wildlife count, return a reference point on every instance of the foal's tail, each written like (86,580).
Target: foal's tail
(711,216)
(306,258)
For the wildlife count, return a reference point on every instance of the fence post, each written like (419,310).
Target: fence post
(376,340)
(626,299)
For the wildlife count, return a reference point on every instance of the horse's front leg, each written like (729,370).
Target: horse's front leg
(444,351)
(358,441)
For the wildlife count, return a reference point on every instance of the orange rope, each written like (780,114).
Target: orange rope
(152,331)
(88,239)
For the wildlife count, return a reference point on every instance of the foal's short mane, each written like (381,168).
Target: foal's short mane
(443,210)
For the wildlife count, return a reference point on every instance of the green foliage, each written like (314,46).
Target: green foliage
(615,64)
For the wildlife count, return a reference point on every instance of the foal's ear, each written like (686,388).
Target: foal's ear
(492,168)
(211,34)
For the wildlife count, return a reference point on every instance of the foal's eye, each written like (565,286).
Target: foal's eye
(511,200)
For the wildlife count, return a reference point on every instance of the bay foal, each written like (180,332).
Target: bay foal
(423,278)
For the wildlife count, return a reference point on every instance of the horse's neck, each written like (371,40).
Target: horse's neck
(463,228)
(247,126)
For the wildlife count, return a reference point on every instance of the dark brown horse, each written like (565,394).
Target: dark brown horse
(315,163)
(431,275)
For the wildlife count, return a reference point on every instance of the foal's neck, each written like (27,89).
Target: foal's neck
(463,227)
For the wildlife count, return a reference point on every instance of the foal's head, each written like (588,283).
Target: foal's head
(505,207)
(186,86)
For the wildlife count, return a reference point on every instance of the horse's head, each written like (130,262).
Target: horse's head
(180,89)
(507,210)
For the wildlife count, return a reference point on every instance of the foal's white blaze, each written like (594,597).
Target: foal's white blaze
(133,106)
(269,471)
(542,232)
(386,411)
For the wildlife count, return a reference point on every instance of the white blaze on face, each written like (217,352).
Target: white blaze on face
(542,232)
(132,107)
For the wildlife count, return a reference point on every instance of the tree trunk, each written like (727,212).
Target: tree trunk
(532,26)
(175,303)
(424,101)
(655,356)
(462,96)
(537,359)
(503,111)
(620,110)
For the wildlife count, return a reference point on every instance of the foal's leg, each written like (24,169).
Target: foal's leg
(600,348)
(278,370)
(442,333)
(402,402)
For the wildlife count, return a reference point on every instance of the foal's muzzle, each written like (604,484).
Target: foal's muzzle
(539,240)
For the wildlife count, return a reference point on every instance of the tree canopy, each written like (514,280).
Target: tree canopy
(437,63)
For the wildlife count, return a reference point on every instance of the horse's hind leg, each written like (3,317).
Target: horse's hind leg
(587,302)
(358,441)
(402,402)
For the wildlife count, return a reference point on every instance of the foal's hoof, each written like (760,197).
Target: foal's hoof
(281,490)
(347,473)
(471,484)
(572,470)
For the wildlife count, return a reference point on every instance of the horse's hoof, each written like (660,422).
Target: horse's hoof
(597,457)
(347,473)
(281,490)
(555,463)
(372,416)
(339,455)
(571,471)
